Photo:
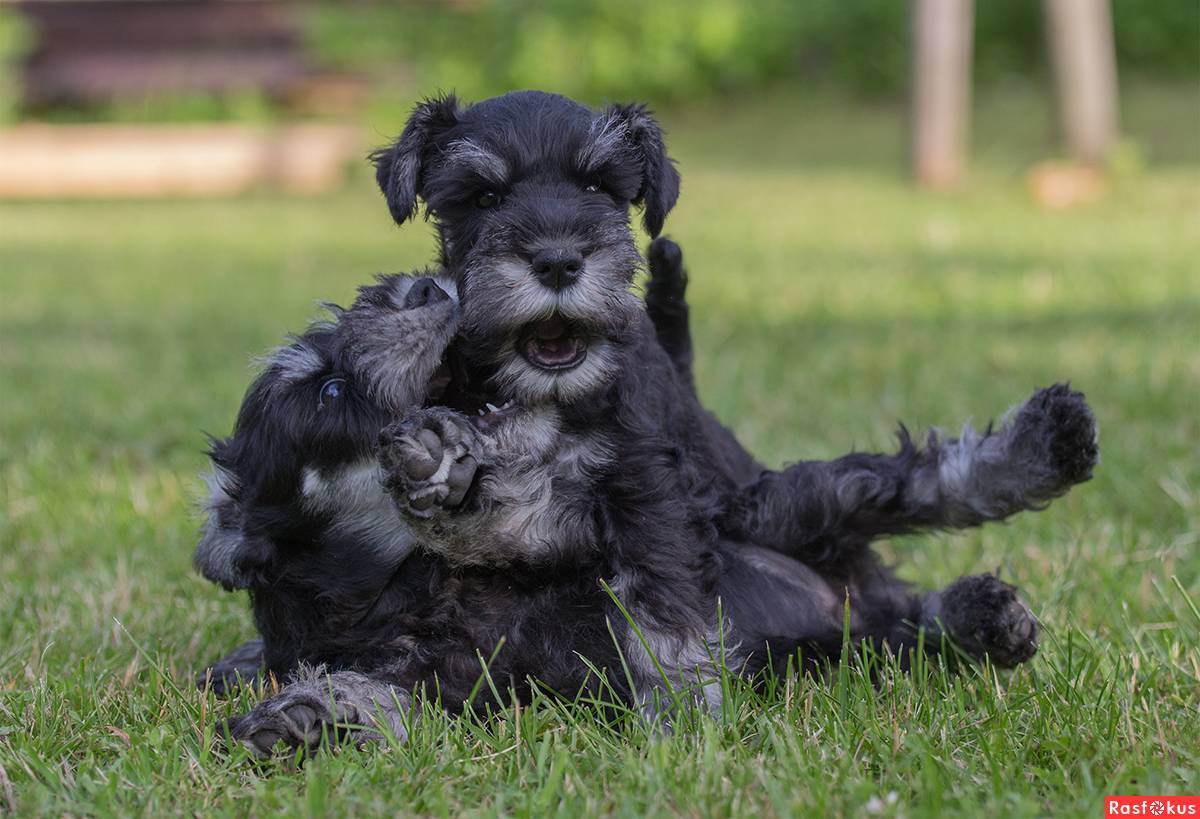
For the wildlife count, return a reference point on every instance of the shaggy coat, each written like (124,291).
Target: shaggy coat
(591,485)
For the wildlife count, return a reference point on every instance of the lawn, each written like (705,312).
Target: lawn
(831,300)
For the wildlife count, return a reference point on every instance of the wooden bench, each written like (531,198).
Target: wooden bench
(95,50)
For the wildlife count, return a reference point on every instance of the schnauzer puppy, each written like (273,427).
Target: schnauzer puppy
(434,618)
(530,193)
(297,513)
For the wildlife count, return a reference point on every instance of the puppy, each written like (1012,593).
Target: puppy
(544,614)
(296,513)
(531,193)
(434,634)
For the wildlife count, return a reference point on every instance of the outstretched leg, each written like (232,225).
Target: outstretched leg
(817,511)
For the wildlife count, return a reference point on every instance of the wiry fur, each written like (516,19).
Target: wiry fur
(297,513)
(616,474)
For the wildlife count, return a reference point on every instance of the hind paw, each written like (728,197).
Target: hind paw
(985,617)
(1058,428)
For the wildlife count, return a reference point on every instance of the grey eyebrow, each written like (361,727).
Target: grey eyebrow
(295,361)
(607,137)
(478,158)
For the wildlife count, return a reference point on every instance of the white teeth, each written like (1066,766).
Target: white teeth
(481,412)
(492,408)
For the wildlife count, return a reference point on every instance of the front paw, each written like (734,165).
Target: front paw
(1056,428)
(344,707)
(667,273)
(291,720)
(243,666)
(985,617)
(429,461)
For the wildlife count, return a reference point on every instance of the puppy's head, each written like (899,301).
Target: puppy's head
(531,195)
(298,479)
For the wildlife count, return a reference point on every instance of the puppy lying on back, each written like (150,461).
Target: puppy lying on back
(605,468)
(297,513)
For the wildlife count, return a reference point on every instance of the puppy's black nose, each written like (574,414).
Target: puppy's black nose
(423,292)
(557,267)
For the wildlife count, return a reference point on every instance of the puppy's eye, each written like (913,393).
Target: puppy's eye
(487,199)
(331,391)
(592,187)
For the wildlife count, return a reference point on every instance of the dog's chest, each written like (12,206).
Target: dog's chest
(550,493)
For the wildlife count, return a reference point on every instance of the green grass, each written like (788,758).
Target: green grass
(830,301)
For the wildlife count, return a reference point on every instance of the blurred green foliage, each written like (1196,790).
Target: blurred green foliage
(684,49)
(250,105)
(16,39)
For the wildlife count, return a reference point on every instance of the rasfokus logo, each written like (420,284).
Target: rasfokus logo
(1151,806)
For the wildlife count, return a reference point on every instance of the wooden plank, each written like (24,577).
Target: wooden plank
(91,75)
(99,49)
(53,161)
(163,24)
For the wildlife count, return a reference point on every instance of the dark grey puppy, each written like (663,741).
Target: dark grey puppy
(594,461)
(297,514)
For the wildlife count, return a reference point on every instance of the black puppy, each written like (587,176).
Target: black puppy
(530,193)
(598,462)
(297,514)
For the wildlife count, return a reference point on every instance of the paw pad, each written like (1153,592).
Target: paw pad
(985,617)
(428,461)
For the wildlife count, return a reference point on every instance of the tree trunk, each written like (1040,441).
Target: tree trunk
(941,89)
(1080,39)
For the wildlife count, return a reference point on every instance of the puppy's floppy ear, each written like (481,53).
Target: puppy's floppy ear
(226,554)
(660,180)
(398,166)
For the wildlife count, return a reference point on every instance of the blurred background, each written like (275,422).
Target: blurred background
(348,71)
(891,211)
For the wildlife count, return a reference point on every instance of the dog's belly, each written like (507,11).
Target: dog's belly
(770,598)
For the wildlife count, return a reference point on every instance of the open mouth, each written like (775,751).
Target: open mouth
(458,385)
(553,344)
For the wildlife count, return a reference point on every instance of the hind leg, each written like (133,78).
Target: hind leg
(979,615)
(787,607)
(819,510)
